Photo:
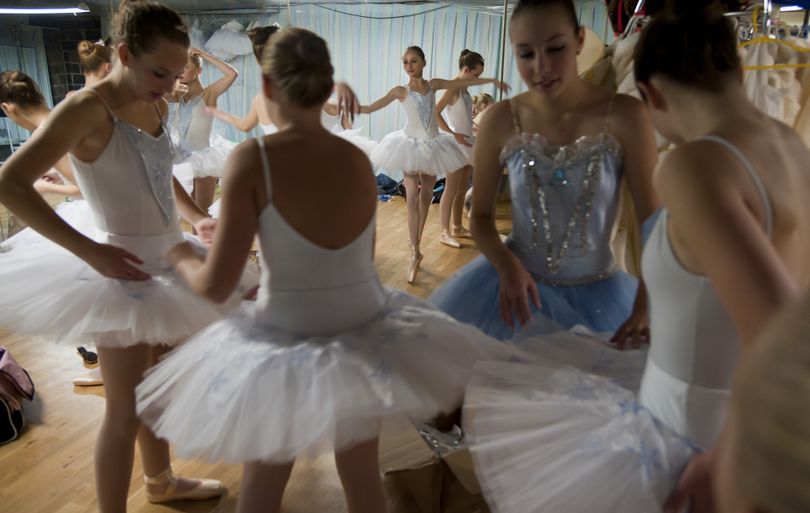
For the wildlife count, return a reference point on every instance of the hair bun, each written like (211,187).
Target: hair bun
(86,47)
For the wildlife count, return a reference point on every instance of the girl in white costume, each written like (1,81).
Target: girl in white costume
(114,289)
(727,251)
(419,151)
(326,352)
(459,106)
(193,124)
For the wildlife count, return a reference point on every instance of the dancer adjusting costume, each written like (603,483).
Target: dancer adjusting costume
(715,273)
(326,352)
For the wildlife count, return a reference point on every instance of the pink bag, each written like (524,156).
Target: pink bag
(15,385)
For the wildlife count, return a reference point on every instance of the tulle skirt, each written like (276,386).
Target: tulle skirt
(553,437)
(48,291)
(210,161)
(242,390)
(76,213)
(353,136)
(471,296)
(398,154)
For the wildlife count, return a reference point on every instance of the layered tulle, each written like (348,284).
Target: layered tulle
(243,390)
(46,290)
(472,296)
(550,438)
(397,154)
(355,137)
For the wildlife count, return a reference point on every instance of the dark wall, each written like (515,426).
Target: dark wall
(61,35)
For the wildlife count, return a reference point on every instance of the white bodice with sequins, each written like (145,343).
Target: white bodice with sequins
(193,125)
(459,114)
(129,186)
(564,204)
(420,110)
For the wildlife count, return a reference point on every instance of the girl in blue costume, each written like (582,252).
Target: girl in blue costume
(567,145)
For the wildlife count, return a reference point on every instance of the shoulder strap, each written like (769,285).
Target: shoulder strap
(268,186)
(515,119)
(749,168)
(106,105)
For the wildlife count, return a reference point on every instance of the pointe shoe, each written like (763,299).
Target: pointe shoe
(90,379)
(205,489)
(413,267)
(448,240)
(461,232)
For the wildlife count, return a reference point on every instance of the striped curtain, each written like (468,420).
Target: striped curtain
(367,40)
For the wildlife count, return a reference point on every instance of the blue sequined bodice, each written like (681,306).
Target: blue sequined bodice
(421,113)
(564,204)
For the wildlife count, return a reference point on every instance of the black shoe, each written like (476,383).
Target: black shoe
(89,357)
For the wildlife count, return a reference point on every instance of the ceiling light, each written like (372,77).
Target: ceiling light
(81,8)
(792,8)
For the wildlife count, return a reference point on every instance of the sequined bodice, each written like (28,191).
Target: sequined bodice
(192,125)
(129,186)
(421,112)
(564,204)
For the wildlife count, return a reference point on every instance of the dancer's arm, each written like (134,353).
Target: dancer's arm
(246,123)
(630,123)
(397,93)
(80,117)
(440,83)
(449,97)
(47,184)
(217,276)
(218,88)
(517,287)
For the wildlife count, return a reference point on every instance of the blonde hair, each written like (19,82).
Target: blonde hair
(93,56)
(297,62)
(482,100)
(771,449)
(196,59)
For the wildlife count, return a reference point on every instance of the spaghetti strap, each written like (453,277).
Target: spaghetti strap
(749,168)
(515,120)
(104,101)
(266,169)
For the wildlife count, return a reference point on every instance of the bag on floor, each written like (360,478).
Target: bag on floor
(15,385)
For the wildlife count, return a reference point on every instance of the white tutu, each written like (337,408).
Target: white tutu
(467,150)
(244,391)
(185,175)
(361,141)
(76,213)
(229,42)
(52,292)
(215,209)
(210,161)
(546,438)
(397,154)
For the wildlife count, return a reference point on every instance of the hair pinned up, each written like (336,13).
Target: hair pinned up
(566,5)
(92,56)
(470,60)
(140,23)
(259,37)
(297,62)
(18,88)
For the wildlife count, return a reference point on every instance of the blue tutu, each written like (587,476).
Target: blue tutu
(471,296)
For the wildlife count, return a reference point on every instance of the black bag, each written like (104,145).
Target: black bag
(15,385)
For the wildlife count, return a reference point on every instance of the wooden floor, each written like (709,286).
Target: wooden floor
(50,468)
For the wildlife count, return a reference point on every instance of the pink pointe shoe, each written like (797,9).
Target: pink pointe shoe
(168,481)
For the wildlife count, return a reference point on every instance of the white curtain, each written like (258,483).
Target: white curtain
(366,42)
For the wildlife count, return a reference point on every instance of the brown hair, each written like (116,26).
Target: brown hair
(18,88)
(470,60)
(140,23)
(565,5)
(93,56)
(259,37)
(693,46)
(415,49)
(297,62)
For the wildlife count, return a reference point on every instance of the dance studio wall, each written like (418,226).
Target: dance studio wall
(366,43)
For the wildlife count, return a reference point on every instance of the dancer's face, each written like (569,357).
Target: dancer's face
(190,72)
(152,74)
(413,64)
(472,73)
(546,45)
